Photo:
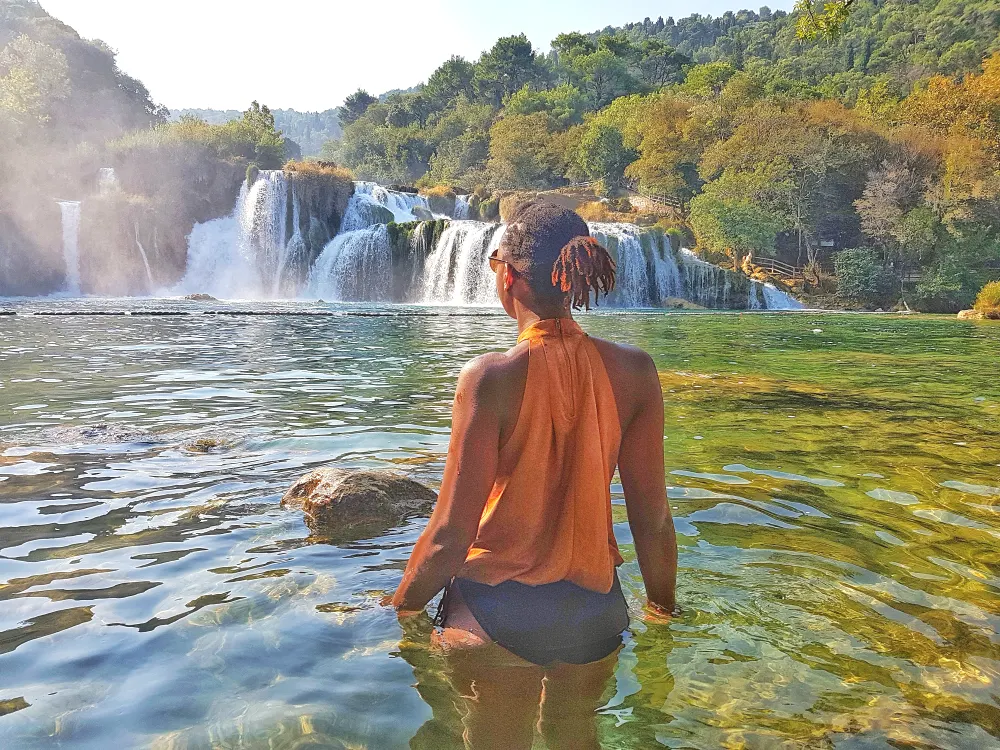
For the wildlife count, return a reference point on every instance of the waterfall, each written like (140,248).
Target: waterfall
(648,274)
(632,284)
(294,258)
(373,204)
(248,254)
(263,224)
(219,260)
(457,272)
(354,266)
(706,284)
(461,207)
(70,211)
(145,259)
(775,299)
(107,180)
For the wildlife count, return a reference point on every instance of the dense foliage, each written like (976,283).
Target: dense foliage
(308,131)
(881,131)
(61,99)
(989,298)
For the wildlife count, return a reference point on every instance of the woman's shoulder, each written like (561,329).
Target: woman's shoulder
(632,374)
(498,377)
(628,359)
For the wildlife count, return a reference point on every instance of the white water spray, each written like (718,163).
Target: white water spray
(370,202)
(457,272)
(354,266)
(70,211)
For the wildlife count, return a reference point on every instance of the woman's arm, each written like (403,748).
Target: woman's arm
(469,474)
(640,465)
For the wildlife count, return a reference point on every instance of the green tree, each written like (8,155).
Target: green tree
(661,64)
(265,142)
(522,152)
(506,68)
(454,77)
(603,154)
(355,106)
(33,76)
(565,104)
(822,17)
(733,227)
(863,279)
(708,79)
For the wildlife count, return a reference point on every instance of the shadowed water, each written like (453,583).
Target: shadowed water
(835,481)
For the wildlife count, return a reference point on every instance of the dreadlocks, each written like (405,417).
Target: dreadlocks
(583,266)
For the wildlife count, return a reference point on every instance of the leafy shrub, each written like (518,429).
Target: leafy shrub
(441,199)
(320,169)
(989,297)
(863,279)
(595,211)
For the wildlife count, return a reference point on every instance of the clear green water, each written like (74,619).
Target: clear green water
(835,480)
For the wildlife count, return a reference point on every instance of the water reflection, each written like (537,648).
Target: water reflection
(836,502)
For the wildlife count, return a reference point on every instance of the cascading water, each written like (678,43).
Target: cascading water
(107,181)
(145,259)
(775,299)
(372,204)
(648,274)
(250,255)
(457,272)
(70,211)
(263,224)
(219,260)
(461,207)
(354,266)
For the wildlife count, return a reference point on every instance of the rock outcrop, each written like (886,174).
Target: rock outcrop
(979,315)
(343,503)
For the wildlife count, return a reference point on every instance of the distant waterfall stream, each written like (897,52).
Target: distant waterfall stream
(70,211)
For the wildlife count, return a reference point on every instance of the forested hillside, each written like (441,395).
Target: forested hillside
(884,140)
(66,112)
(309,130)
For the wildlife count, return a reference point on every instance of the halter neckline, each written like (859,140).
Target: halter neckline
(551,327)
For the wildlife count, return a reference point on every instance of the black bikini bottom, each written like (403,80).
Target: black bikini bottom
(554,622)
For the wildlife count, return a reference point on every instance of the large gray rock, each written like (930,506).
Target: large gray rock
(337,502)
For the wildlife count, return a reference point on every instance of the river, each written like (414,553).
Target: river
(834,479)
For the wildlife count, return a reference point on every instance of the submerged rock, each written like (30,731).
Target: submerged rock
(96,434)
(339,502)
(200,297)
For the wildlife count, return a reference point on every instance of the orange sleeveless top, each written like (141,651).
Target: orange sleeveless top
(548,517)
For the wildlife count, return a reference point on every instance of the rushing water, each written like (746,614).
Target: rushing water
(69,212)
(834,478)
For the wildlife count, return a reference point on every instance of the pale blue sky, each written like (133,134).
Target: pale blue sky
(309,54)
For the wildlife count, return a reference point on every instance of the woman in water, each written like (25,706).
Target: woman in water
(521,538)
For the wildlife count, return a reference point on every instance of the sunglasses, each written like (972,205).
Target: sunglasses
(495,263)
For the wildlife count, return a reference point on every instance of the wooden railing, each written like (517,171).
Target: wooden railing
(668,201)
(776,266)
